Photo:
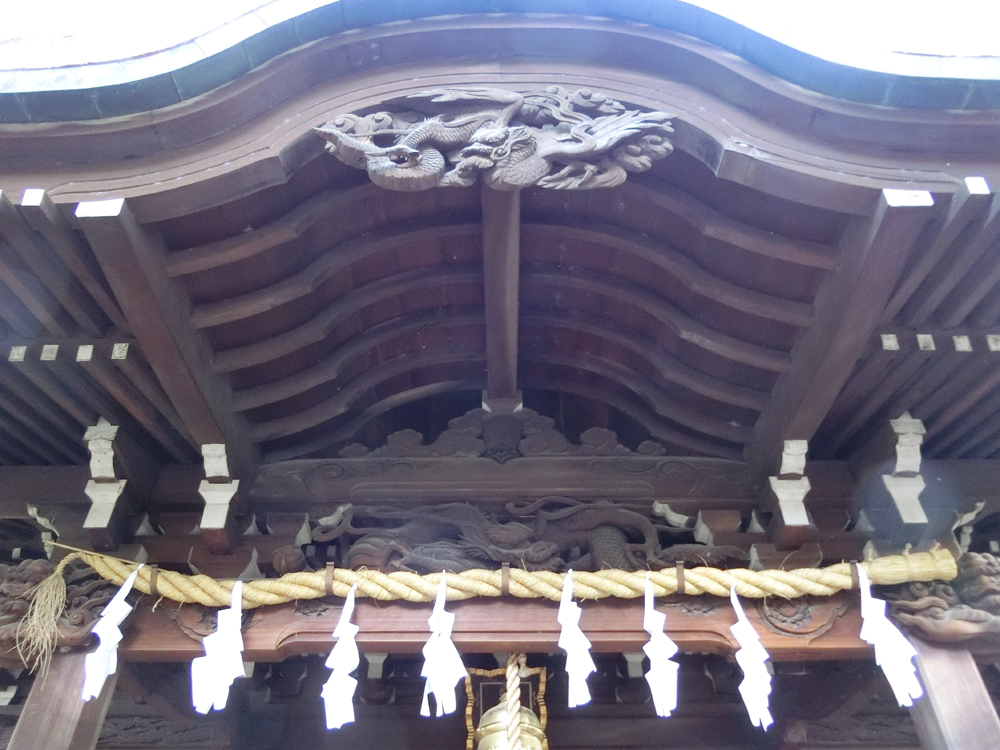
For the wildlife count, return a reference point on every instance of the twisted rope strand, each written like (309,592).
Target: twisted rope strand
(938,564)
(513,701)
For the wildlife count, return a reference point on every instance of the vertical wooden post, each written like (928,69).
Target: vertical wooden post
(501,279)
(55,717)
(956,712)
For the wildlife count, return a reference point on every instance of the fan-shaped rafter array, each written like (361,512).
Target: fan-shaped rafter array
(358,300)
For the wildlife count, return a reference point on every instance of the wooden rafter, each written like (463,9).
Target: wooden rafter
(49,269)
(501,281)
(44,217)
(368,341)
(133,260)
(318,328)
(873,253)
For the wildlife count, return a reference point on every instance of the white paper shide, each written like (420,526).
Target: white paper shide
(101,663)
(892,651)
(662,674)
(213,673)
(338,692)
(443,666)
(579,664)
(752,658)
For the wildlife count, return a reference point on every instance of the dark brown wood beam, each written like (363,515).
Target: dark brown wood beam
(501,282)
(956,712)
(349,428)
(131,398)
(667,366)
(491,625)
(367,341)
(32,294)
(137,372)
(319,327)
(49,269)
(657,253)
(619,292)
(658,429)
(370,379)
(45,218)
(873,253)
(969,210)
(334,261)
(647,390)
(54,716)
(134,262)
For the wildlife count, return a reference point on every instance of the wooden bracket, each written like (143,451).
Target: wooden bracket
(893,507)
(218,522)
(105,523)
(790,526)
(909,437)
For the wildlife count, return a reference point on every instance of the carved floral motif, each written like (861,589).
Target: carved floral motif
(449,137)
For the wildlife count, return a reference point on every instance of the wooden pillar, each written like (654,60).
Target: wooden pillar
(55,717)
(956,712)
(501,279)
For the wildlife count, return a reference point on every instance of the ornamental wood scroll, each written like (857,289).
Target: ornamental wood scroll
(449,137)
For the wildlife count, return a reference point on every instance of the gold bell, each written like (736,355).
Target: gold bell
(492,731)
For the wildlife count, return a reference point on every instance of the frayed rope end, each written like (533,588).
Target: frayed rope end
(38,631)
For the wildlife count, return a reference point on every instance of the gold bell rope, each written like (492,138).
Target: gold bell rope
(37,631)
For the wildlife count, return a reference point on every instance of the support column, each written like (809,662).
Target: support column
(501,279)
(55,717)
(956,712)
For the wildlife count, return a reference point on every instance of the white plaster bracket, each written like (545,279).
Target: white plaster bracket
(791,494)
(103,499)
(905,493)
(217,497)
(100,442)
(909,437)
(793,458)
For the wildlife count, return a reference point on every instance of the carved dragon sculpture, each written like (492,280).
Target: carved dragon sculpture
(968,608)
(556,533)
(552,138)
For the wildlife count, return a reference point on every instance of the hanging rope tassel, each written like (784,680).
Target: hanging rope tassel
(38,630)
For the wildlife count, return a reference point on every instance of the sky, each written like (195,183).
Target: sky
(876,34)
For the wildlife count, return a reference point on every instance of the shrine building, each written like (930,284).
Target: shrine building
(397,375)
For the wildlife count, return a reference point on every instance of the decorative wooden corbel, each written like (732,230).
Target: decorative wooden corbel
(218,520)
(502,429)
(105,523)
(790,526)
(898,513)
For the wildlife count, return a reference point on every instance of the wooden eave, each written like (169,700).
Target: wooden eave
(730,298)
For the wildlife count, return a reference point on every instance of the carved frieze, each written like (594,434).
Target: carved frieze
(553,533)
(861,730)
(556,138)
(808,617)
(466,438)
(494,449)
(120,732)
